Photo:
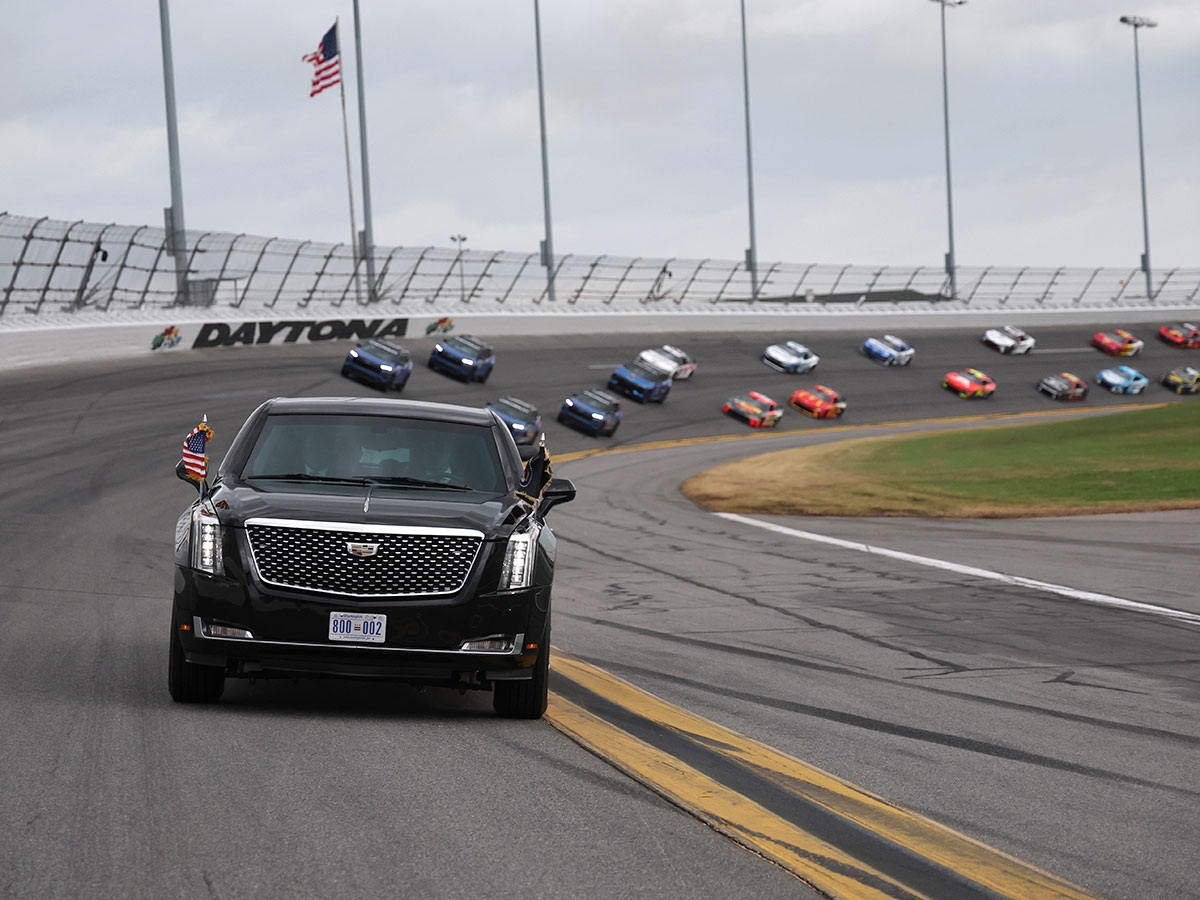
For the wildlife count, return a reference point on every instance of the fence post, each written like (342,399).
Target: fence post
(517,277)
(838,280)
(253,272)
(656,293)
(412,273)
(458,258)
(478,285)
(558,268)
(803,275)
(150,274)
(586,278)
(383,272)
(1125,284)
(121,268)
(80,299)
(225,263)
(1013,286)
(1050,286)
(287,273)
(191,259)
(721,292)
(20,259)
(913,277)
(762,282)
(1087,284)
(978,284)
(316,281)
(1162,284)
(621,280)
(690,281)
(874,281)
(62,243)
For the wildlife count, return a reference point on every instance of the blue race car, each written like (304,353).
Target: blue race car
(1122,380)
(642,382)
(521,418)
(379,363)
(463,356)
(596,412)
(889,350)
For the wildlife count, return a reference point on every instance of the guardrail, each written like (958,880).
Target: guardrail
(53,267)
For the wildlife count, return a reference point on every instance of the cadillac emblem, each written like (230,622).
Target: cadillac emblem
(357,549)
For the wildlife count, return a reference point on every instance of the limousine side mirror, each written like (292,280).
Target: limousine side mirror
(560,490)
(181,472)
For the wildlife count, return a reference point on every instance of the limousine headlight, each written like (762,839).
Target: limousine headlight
(207,535)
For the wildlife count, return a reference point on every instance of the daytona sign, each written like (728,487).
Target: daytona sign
(224,334)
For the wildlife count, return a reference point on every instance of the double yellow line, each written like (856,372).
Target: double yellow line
(837,837)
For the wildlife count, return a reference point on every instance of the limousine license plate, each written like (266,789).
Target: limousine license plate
(363,627)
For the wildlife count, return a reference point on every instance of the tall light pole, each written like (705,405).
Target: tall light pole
(547,244)
(951,266)
(368,234)
(1137,22)
(461,240)
(752,252)
(173,214)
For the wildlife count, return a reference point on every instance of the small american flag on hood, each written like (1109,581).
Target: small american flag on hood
(194,445)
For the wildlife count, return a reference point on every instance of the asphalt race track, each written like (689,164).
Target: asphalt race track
(1059,731)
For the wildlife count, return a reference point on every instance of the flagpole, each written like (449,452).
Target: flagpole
(368,233)
(349,176)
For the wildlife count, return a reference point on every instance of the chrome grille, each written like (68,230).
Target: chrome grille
(406,561)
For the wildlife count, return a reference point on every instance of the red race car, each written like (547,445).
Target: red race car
(757,409)
(820,402)
(969,383)
(1118,342)
(1181,334)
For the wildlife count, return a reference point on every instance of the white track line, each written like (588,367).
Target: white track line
(1073,593)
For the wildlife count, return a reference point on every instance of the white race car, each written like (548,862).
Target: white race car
(889,350)
(1008,339)
(791,357)
(670,359)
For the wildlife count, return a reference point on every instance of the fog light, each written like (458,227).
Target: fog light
(227,631)
(497,643)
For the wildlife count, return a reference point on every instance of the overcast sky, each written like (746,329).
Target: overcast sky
(644,112)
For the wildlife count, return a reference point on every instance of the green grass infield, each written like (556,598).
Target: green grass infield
(1119,462)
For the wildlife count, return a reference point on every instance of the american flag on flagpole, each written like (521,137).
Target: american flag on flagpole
(194,458)
(327,63)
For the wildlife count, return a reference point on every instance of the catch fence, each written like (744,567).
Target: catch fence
(53,267)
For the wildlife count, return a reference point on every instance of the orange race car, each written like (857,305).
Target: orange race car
(757,409)
(969,383)
(1117,342)
(820,402)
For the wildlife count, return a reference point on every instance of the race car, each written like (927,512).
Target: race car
(1122,380)
(597,412)
(969,383)
(1008,339)
(642,382)
(757,409)
(889,350)
(1181,334)
(791,357)
(820,402)
(1118,342)
(1063,386)
(1184,380)
(672,359)
(521,418)
(376,362)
